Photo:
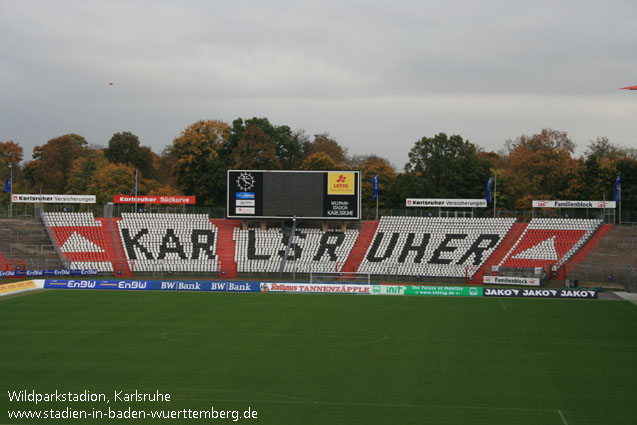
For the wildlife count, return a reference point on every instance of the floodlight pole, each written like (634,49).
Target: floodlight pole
(620,204)
(10,190)
(495,192)
(377,207)
(135,194)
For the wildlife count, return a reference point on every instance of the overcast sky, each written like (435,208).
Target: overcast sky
(376,75)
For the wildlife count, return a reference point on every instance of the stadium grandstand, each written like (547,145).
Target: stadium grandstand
(393,248)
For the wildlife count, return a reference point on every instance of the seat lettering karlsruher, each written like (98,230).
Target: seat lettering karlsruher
(170,243)
(328,244)
(477,248)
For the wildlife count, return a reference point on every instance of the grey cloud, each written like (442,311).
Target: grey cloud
(370,73)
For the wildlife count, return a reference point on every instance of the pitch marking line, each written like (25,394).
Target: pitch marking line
(628,306)
(562,416)
(502,304)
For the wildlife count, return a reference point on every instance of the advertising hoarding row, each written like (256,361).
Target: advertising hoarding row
(90,199)
(156,285)
(305,287)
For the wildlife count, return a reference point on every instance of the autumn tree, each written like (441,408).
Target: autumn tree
(10,153)
(496,160)
(199,167)
(627,167)
(599,170)
(603,162)
(155,188)
(445,167)
(327,145)
(125,148)
(255,150)
(369,166)
(83,172)
(53,161)
(289,146)
(164,165)
(319,161)
(540,166)
(111,179)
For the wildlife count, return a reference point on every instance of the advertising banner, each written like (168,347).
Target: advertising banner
(53,199)
(245,210)
(574,204)
(509,280)
(15,287)
(315,288)
(540,293)
(98,284)
(388,290)
(445,291)
(340,183)
(66,272)
(446,203)
(180,200)
(216,286)
(157,285)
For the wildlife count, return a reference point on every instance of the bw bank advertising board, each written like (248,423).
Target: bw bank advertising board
(319,195)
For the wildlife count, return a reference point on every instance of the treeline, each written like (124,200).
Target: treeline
(538,166)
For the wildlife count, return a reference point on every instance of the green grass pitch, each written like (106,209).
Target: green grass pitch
(325,359)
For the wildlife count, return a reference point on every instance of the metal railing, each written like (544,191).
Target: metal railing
(619,276)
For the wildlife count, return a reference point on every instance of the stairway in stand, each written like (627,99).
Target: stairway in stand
(114,247)
(584,251)
(359,250)
(226,247)
(501,251)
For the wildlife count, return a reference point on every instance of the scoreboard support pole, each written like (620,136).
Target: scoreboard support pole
(287,249)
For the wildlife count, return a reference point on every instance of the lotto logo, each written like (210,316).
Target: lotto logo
(340,183)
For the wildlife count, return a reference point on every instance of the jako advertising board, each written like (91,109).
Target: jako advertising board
(540,293)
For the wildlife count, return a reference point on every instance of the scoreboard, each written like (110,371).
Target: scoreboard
(320,195)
